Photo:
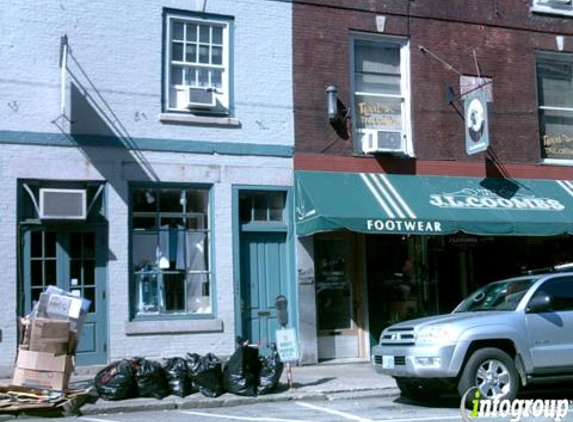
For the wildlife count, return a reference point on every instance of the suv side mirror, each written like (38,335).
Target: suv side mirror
(539,304)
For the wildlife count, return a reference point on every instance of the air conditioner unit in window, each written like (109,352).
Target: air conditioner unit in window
(374,141)
(62,204)
(201,98)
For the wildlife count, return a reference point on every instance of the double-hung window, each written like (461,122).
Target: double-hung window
(553,7)
(381,99)
(197,65)
(170,251)
(555,102)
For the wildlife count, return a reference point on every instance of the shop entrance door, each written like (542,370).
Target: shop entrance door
(73,260)
(337,297)
(263,278)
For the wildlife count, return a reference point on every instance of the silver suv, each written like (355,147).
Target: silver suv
(503,336)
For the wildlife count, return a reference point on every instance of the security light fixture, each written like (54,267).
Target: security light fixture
(332,101)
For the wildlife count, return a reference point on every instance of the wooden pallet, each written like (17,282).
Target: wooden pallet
(15,399)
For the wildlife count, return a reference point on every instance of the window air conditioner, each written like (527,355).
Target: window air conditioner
(201,97)
(374,141)
(63,204)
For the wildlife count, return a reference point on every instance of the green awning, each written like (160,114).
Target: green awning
(432,205)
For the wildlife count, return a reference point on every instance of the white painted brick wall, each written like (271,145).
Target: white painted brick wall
(116,50)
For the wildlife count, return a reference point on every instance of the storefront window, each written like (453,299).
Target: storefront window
(170,251)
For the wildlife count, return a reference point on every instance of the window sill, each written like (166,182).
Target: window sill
(547,10)
(192,119)
(557,161)
(173,327)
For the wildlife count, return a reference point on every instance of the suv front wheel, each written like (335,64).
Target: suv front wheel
(492,372)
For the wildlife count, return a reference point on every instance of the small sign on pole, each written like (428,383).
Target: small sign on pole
(287,344)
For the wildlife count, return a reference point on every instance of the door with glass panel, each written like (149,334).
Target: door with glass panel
(263,265)
(337,297)
(73,260)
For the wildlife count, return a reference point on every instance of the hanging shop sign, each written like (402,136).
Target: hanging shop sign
(476,127)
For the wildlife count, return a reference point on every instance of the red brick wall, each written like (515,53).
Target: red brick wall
(504,34)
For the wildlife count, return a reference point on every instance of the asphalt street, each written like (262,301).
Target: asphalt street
(379,409)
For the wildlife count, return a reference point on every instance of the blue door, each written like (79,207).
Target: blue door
(263,278)
(73,260)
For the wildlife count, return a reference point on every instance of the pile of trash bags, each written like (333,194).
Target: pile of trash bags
(245,373)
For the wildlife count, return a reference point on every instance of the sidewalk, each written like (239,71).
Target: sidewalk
(314,382)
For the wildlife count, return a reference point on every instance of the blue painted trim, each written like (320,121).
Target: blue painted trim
(150,144)
(231,68)
(236,259)
(196,14)
(261,227)
(212,254)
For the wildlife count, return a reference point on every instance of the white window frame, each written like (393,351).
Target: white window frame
(562,57)
(222,95)
(404,46)
(553,7)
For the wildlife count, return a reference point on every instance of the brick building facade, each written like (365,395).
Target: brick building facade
(521,50)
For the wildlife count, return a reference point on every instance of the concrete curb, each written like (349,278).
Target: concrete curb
(198,401)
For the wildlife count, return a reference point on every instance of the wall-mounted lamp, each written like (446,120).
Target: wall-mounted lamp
(337,112)
(332,101)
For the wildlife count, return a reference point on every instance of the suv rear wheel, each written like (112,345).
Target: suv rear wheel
(492,372)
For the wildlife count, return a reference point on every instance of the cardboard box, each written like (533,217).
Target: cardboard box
(42,370)
(51,336)
(63,307)
(40,379)
(50,330)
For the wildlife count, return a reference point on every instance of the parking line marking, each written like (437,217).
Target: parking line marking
(428,418)
(84,418)
(335,412)
(240,418)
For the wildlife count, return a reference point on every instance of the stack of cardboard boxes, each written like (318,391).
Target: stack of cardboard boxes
(46,355)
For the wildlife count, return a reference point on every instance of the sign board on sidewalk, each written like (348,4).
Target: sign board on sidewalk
(287,346)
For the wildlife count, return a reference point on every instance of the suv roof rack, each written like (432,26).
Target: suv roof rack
(564,267)
(556,268)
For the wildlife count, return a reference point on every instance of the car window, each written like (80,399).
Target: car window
(561,291)
(499,296)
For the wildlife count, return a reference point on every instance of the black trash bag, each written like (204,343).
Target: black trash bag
(116,381)
(177,377)
(150,378)
(193,362)
(241,373)
(271,371)
(209,376)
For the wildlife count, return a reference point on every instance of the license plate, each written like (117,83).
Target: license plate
(388,362)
